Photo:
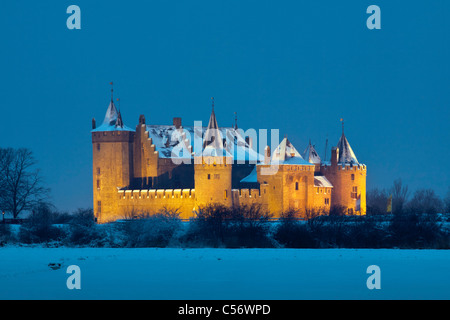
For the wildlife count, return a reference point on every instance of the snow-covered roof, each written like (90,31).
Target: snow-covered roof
(285,153)
(321,181)
(310,154)
(113,120)
(167,139)
(346,154)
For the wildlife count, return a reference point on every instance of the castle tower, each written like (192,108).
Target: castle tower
(288,181)
(213,168)
(112,144)
(310,154)
(348,178)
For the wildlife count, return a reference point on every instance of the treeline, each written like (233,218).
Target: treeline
(221,227)
(402,201)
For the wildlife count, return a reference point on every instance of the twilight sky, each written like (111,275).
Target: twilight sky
(297,66)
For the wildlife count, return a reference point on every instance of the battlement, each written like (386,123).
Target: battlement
(113,136)
(213,161)
(156,194)
(344,167)
(245,193)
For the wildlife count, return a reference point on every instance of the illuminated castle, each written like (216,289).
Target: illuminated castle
(156,167)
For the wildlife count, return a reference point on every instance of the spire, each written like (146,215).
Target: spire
(235,121)
(212,119)
(212,135)
(346,154)
(111,114)
(310,154)
(112,89)
(113,118)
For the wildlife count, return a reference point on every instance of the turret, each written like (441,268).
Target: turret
(213,168)
(291,184)
(112,163)
(348,178)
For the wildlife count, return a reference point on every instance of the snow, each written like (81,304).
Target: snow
(167,137)
(110,121)
(322,181)
(286,153)
(310,154)
(346,154)
(117,273)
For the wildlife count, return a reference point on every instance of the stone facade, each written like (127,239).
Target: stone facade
(132,176)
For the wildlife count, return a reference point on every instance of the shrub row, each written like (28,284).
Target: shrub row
(219,226)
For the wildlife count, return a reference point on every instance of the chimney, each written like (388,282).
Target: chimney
(93,123)
(267,155)
(141,119)
(177,122)
(334,156)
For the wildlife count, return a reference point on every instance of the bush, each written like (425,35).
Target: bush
(293,233)
(415,230)
(83,230)
(5,234)
(218,226)
(249,227)
(39,227)
(152,230)
(366,232)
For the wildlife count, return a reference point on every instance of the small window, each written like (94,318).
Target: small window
(216,176)
(99,206)
(353,176)
(209,176)
(327,201)
(296,186)
(98,183)
(98,146)
(98,170)
(354,193)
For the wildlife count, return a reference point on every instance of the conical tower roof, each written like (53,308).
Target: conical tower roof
(286,153)
(310,154)
(213,137)
(346,154)
(111,114)
(113,120)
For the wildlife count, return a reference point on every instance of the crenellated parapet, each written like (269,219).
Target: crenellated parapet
(154,200)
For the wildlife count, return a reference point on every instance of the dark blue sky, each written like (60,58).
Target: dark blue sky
(297,66)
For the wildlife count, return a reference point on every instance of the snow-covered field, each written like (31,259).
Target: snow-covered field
(223,273)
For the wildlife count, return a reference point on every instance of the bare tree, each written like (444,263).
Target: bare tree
(20,182)
(377,201)
(447,201)
(425,201)
(400,194)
